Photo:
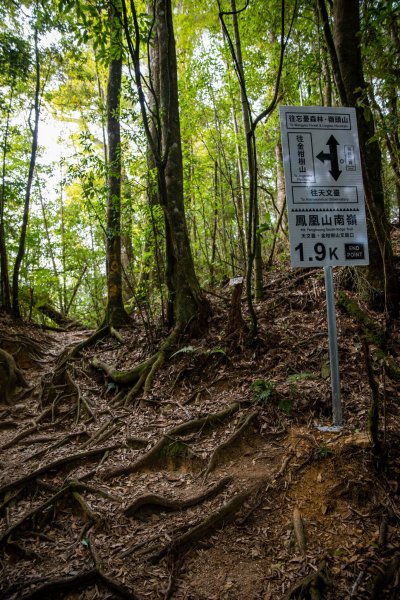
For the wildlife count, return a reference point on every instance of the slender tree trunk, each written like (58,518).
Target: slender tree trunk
(280,188)
(102,102)
(63,302)
(327,79)
(162,258)
(115,312)
(333,53)
(50,247)
(32,163)
(393,145)
(214,226)
(382,288)
(241,191)
(392,141)
(5,280)
(253,237)
(188,298)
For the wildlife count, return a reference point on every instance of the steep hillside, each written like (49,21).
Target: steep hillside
(220,484)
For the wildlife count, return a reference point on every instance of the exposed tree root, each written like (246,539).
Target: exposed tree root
(8,423)
(136,442)
(87,511)
(169,453)
(373,333)
(123,377)
(167,445)
(216,455)
(116,334)
(36,511)
(168,592)
(207,525)
(298,528)
(24,434)
(142,376)
(60,442)
(61,383)
(79,398)
(73,487)
(47,590)
(19,342)
(87,343)
(152,501)
(311,587)
(105,432)
(10,498)
(386,578)
(22,481)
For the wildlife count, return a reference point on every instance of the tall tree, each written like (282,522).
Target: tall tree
(186,299)
(381,287)
(250,125)
(32,164)
(115,311)
(14,67)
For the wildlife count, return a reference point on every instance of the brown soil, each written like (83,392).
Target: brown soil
(64,533)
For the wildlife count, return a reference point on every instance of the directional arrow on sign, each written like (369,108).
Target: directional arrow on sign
(332,156)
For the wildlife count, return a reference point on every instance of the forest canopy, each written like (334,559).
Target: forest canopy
(141,163)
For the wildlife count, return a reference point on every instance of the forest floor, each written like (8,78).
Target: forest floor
(220,486)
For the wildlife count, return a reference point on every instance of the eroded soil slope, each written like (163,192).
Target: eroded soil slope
(219,485)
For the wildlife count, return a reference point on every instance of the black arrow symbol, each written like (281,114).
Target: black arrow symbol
(332,156)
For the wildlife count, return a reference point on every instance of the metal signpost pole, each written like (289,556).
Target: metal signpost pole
(333,347)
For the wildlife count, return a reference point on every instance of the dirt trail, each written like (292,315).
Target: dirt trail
(220,487)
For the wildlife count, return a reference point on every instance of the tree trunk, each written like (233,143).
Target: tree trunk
(280,189)
(115,312)
(333,53)
(253,239)
(381,290)
(187,302)
(59,318)
(5,292)
(379,286)
(158,223)
(32,163)
(187,296)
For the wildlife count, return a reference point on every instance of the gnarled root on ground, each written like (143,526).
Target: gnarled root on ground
(153,501)
(168,446)
(61,385)
(236,435)
(141,376)
(85,579)
(311,587)
(78,457)
(74,488)
(207,525)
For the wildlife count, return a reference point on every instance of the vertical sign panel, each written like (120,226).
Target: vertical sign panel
(324,187)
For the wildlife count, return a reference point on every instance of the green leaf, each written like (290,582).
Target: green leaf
(300,377)
(185,350)
(263,390)
(285,405)
(216,351)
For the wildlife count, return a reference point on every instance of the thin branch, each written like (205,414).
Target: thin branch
(284,43)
